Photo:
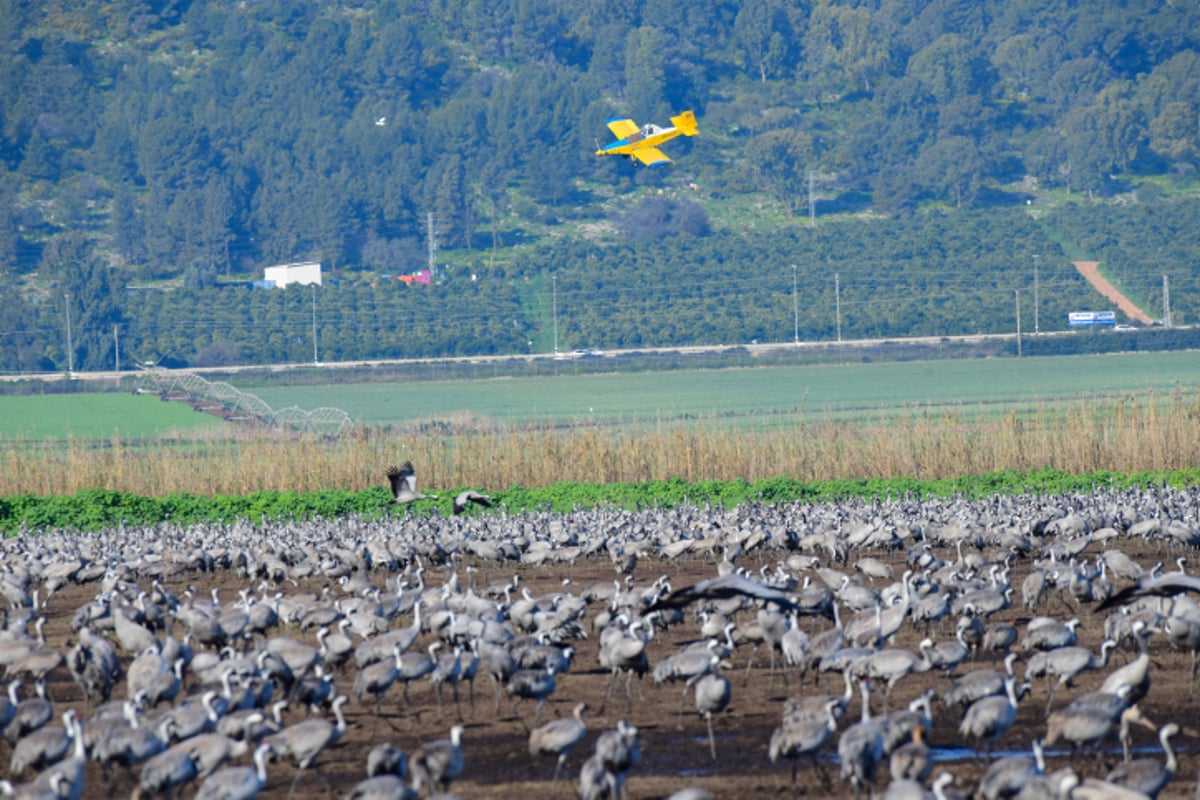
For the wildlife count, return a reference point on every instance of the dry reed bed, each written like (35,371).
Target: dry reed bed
(1125,437)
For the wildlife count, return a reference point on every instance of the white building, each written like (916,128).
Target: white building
(305,273)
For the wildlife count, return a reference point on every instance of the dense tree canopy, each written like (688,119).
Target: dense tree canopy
(189,142)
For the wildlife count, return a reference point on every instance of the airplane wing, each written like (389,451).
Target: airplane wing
(622,128)
(651,156)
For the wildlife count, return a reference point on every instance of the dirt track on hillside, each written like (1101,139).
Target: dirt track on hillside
(1091,271)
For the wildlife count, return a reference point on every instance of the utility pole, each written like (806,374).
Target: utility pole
(812,200)
(70,344)
(1036,328)
(432,239)
(1018,294)
(795,310)
(837,303)
(1166,303)
(554,307)
(314,323)
(116,351)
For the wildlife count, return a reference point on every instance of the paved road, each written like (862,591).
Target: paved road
(754,349)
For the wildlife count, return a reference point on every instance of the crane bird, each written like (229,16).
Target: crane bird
(1005,777)
(617,752)
(1168,584)
(804,735)
(438,763)
(304,741)
(64,780)
(377,678)
(623,650)
(413,667)
(44,746)
(403,480)
(712,692)
(722,587)
(382,787)
(1065,663)
(162,773)
(990,717)
(559,737)
(387,759)
(911,761)
(860,747)
(1090,725)
(892,664)
(531,684)
(468,496)
(685,665)
(237,783)
(210,750)
(979,683)
(1149,775)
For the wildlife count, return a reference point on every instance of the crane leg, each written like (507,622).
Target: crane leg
(558,767)
(749,664)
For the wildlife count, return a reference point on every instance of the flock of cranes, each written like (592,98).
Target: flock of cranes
(236,660)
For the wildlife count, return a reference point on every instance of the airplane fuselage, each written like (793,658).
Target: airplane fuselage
(641,144)
(648,136)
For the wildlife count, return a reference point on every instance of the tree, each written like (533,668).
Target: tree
(842,51)
(1105,136)
(493,185)
(781,161)
(757,31)
(1016,60)
(84,284)
(947,69)
(40,159)
(1175,133)
(125,224)
(449,203)
(951,168)
(1076,83)
(22,343)
(645,71)
(10,233)
(539,29)
(216,214)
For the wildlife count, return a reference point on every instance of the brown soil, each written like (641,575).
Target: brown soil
(1091,271)
(675,750)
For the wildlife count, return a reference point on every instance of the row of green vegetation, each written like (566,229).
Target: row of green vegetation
(933,275)
(98,509)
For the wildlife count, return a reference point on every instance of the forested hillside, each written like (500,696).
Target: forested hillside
(153,152)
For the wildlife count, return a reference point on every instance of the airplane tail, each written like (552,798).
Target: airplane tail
(686,123)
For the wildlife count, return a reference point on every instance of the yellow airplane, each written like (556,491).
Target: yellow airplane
(641,143)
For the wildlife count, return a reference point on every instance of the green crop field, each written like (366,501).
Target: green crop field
(97,416)
(740,397)
(755,395)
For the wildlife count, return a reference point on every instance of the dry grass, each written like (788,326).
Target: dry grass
(1125,437)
